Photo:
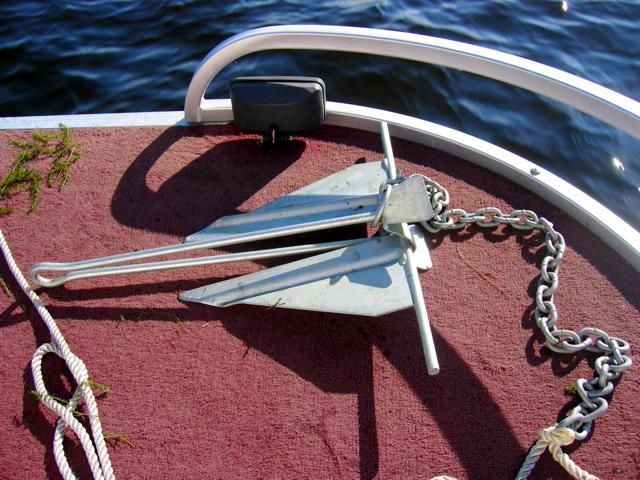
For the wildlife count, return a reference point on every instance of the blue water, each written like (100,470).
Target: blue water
(122,56)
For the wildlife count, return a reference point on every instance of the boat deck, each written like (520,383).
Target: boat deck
(250,392)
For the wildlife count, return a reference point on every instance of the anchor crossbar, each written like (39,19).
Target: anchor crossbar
(411,268)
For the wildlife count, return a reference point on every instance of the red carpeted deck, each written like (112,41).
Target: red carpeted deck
(254,393)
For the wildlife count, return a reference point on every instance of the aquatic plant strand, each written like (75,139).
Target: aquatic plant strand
(59,147)
(93,445)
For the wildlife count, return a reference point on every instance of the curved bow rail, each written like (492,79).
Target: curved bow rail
(591,98)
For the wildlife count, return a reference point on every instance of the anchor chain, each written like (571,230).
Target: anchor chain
(613,361)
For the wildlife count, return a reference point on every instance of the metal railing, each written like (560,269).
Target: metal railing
(588,97)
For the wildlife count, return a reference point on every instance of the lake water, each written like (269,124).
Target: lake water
(124,56)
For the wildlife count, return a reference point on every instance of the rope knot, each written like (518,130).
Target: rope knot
(554,435)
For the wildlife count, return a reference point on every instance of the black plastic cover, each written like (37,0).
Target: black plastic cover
(288,104)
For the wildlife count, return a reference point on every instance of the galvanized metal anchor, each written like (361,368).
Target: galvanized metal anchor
(369,276)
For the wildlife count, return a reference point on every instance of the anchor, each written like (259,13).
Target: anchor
(367,276)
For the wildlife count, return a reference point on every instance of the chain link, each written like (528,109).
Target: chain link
(613,361)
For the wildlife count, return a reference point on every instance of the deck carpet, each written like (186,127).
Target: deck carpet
(256,393)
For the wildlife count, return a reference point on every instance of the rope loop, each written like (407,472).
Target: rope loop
(93,444)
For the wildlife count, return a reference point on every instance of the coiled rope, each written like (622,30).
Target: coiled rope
(93,445)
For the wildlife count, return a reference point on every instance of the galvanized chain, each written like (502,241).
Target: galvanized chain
(613,361)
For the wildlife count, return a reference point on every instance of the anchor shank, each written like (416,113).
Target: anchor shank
(79,273)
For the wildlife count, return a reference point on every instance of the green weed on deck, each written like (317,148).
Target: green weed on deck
(58,147)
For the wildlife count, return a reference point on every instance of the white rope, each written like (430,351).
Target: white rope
(553,438)
(93,445)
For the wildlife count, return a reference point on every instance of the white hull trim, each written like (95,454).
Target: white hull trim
(94,120)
